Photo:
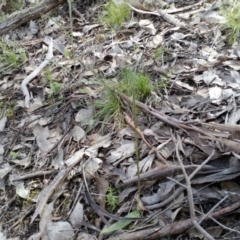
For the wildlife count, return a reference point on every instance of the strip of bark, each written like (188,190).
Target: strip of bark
(20,17)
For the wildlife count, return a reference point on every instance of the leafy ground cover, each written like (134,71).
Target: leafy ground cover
(132,127)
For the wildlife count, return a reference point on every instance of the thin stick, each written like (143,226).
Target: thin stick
(190,197)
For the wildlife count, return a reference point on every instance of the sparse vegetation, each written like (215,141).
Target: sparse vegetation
(231,11)
(13,155)
(26,203)
(182,82)
(55,87)
(14,5)
(159,53)
(111,199)
(7,108)
(161,84)
(11,57)
(109,106)
(116,14)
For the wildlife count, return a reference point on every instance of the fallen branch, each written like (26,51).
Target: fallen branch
(30,77)
(190,197)
(167,119)
(20,17)
(137,6)
(171,229)
(164,171)
(35,175)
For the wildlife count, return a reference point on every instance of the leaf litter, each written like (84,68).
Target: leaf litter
(61,164)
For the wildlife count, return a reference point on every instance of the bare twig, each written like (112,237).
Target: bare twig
(30,77)
(140,133)
(160,13)
(190,196)
(161,172)
(35,175)
(212,209)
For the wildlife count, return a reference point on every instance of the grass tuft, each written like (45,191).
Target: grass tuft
(55,87)
(231,12)
(11,57)
(109,106)
(116,14)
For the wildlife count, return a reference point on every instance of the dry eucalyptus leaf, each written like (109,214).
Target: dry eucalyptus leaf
(126,149)
(59,231)
(148,26)
(76,216)
(78,133)
(42,135)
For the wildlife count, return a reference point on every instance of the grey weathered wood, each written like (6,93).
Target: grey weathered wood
(20,17)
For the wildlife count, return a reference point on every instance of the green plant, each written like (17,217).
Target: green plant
(111,199)
(8,108)
(13,155)
(2,16)
(66,53)
(14,5)
(9,112)
(109,105)
(55,87)
(159,52)
(116,14)
(26,203)
(161,84)
(230,10)
(12,56)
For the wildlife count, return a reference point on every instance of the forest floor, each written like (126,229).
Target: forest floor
(130,131)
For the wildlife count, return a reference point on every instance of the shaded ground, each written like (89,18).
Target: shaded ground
(70,169)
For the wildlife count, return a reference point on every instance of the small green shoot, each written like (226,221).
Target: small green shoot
(66,53)
(55,87)
(13,155)
(109,106)
(111,199)
(161,84)
(15,5)
(11,57)
(116,14)
(26,203)
(231,12)
(7,108)
(159,53)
